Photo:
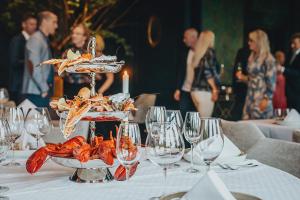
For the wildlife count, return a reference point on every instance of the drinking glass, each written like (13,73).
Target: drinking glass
(128,145)
(38,123)
(164,146)
(280,114)
(155,114)
(191,130)
(211,140)
(174,116)
(4,147)
(15,119)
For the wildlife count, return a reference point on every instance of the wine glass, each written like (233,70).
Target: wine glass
(15,119)
(128,145)
(4,147)
(38,123)
(191,130)
(155,114)
(211,140)
(174,116)
(164,146)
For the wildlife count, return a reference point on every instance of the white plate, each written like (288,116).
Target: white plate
(112,67)
(96,116)
(21,154)
(74,163)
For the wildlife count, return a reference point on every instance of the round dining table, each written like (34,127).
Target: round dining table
(52,182)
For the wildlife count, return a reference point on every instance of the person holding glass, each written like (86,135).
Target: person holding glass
(261,78)
(204,87)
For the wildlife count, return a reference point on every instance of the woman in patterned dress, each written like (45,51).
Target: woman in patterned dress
(261,78)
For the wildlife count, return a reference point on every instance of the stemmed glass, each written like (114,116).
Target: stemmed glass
(4,147)
(211,140)
(191,130)
(4,98)
(15,119)
(38,123)
(174,116)
(128,145)
(155,114)
(164,146)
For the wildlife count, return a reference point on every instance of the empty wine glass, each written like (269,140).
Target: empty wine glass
(164,146)
(191,130)
(15,119)
(155,114)
(211,140)
(128,145)
(38,123)
(174,116)
(4,147)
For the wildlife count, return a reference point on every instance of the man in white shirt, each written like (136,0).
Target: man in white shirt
(291,71)
(16,56)
(185,74)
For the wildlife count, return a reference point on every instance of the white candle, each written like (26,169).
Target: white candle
(125,82)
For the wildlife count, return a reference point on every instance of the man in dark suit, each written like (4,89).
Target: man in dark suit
(184,76)
(291,71)
(17,54)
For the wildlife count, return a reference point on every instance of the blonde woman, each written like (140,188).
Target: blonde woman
(261,78)
(204,88)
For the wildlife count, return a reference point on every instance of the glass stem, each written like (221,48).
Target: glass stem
(192,160)
(127,173)
(37,140)
(165,180)
(13,152)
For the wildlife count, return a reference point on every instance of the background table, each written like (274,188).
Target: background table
(52,183)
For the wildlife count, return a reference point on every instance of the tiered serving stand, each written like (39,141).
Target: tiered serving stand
(93,171)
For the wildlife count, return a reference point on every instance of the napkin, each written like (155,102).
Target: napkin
(211,187)
(25,105)
(27,141)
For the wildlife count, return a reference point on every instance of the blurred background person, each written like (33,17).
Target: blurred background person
(261,78)
(17,56)
(74,82)
(37,81)
(204,90)
(185,73)
(104,82)
(240,87)
(291,71)
(279,96)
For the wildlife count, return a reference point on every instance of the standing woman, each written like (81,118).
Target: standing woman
(74,82)
(204,91)
(261,78)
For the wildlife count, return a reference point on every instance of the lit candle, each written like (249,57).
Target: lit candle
(125,82)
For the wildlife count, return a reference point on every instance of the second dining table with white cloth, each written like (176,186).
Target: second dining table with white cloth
(52,182)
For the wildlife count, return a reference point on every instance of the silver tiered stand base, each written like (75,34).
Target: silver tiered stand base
(93,175)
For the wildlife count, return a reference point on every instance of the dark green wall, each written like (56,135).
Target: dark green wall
(226,20)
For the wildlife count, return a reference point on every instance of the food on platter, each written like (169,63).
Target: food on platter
(84,63)
(78,148)
(85,107)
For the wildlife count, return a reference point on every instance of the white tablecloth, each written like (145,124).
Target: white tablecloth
(51,182)
(272,130)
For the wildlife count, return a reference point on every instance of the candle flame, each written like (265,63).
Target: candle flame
(125,73)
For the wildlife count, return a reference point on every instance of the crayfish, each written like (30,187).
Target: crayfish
(78,148)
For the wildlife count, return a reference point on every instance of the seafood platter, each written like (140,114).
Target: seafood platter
(91,157)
